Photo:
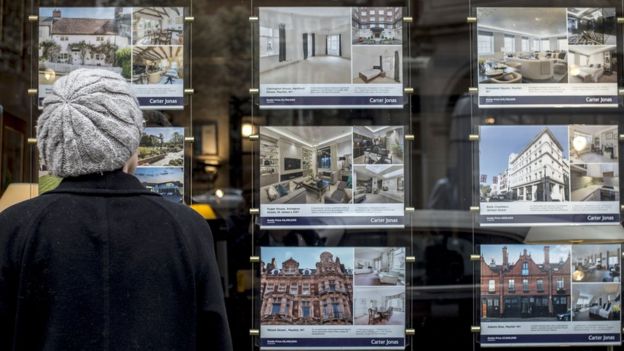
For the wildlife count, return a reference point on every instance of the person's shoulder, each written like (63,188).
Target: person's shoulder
(181,212)
(26,210)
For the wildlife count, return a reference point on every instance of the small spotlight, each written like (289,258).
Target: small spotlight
(247,129)
(490,120)
(219,193)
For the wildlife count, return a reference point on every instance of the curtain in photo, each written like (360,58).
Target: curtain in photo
(305,46)
(396,66)
(326,44)
(340,45)
(313,45)
(282,42)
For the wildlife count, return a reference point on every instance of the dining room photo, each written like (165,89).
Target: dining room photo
(158,26)
(158,65)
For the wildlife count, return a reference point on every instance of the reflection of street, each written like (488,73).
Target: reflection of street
(170,157)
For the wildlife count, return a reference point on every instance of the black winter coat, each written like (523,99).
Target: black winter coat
(101,263)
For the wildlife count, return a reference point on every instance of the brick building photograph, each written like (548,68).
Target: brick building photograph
(525,282)
(306,286)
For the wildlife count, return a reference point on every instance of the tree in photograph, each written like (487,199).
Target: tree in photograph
(486,189)
(107,49)
(123,59)
(177,138)
(49,51)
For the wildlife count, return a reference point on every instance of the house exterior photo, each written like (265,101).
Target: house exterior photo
(310,295)
(83,41)
(525,288)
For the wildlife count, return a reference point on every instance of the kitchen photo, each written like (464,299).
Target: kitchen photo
(595,182)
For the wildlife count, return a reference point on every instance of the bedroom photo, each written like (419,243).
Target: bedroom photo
(377,64)
(376,266)
(305,45)
(592,64)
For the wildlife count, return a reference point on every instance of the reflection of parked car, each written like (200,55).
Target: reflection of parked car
(565,316)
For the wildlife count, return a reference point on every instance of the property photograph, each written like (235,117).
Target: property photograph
(83,37)
(166,181)
(306,165)
(524,163)
(379,184)
(305,45)
(161,147)
(595,182)
(596,263)
(592,64)
(379,305)
(596,302)
(592,26)
(379,266)
(377,25)
(522,45)
(158,26)
(377,64)
(525,283)
(593,143)
(306,286)
(378,145)
(158,65)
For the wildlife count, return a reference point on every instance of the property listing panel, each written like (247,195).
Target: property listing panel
(331,57)
(324,177)
(545,295)
(546,57)
(348,298)
(549,175)
(143,44)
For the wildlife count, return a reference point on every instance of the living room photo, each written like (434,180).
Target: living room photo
(305,45)
(379,305)
(593,143)
(522,45)
(379,184)
(378,145)
(596,302)
(306,165)
(376,266)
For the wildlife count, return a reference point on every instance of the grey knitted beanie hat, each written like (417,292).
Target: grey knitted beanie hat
(91,122)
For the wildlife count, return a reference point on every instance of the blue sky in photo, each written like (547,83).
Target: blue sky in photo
(306,256)
(557,253)
(167,132)
(497,142)
(160,174)
(82,12)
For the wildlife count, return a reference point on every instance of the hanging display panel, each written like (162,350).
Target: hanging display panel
(143,44)
(547,57)
(545,295)
(341,177)
(331,57)
(332,297)
(549,175)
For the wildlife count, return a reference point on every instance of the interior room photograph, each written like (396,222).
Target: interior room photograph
(305,45)
(377,25)
(596,263)
(377,64)
(592,64)
(379,266)
(158,26)
(594,143)
(306,165)
(379,305)
(378,145)
(597,302)
(595,182)
(522,45)
(379,184)
(157,65)
(592,26)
